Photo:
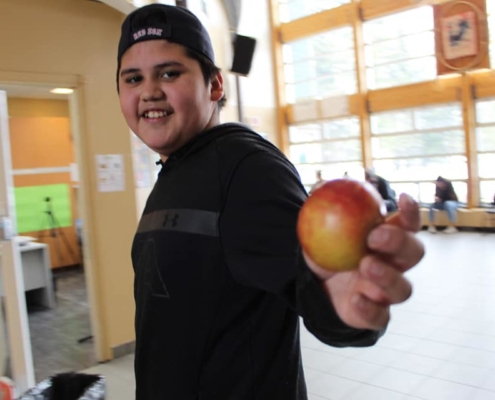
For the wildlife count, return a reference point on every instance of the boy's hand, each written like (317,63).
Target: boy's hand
(362,297)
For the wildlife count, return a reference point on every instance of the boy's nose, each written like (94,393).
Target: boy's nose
(152,91)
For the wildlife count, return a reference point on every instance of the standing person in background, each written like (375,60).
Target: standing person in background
(383,187)
(221,282)
(319,182)
(445,199)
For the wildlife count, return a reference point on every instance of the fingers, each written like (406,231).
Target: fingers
(382,283)
(352,306)
(362,298)
(409,213)
(399,247)
(378,287)
(368,314)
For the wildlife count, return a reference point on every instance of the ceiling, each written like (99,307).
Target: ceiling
(31,92)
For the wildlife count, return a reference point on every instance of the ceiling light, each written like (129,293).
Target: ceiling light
(61,91)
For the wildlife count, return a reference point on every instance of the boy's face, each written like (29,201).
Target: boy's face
(163,95)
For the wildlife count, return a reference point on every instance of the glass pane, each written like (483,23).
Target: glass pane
(418,144)
(294,9)
(304,90)
(486,139)
(342,150)
(301,71)
(304,133)
(402,73)
(486,165)
(438,117)
(333,41)
(344,83)
(353,170)
(305,153)
(296,51)
(307,172)
(290,94)
(392,121)
(460,189)
(334,63)
(426,192)
(399,24)
(487,192)
(423,169)
(412,189)
(341,128)
(415,46)
(485,111)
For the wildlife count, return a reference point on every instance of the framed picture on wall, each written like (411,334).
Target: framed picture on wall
(459,35)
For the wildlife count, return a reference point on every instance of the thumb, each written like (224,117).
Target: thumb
(408,216)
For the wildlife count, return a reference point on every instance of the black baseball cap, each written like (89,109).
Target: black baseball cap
(161,21)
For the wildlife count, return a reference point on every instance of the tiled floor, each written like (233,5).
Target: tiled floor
(440,344)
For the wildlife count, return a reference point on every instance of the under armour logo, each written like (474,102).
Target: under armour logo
(173,220)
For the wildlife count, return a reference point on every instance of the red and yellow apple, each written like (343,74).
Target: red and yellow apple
(335,221)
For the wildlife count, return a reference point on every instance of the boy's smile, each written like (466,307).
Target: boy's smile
(164,97)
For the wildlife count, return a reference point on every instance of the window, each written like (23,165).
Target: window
(320,66)
(332,146)
(400,48)
(295,9)
(411,147)
(485,142)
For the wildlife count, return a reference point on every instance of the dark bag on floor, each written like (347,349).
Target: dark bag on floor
(68,386)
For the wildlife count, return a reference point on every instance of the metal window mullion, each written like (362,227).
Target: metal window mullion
(398,37)
(416,131)
(420,157)
(314,57)
(399,61)
(325,141)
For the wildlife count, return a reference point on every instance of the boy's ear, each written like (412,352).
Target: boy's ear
(217,91)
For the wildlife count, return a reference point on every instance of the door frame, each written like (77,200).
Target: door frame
(81,151)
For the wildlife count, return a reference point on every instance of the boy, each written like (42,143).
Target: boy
(220,281)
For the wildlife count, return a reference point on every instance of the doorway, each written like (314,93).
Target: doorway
(45,180)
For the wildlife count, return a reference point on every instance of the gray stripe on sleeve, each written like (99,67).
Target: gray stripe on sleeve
(200,222)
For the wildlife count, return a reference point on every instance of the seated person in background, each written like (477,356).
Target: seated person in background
(445,199)
(319,182)
(383,187)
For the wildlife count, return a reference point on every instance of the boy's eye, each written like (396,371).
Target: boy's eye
(170,74)
(133,79)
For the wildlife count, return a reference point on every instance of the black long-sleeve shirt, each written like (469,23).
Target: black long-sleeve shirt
(220,282)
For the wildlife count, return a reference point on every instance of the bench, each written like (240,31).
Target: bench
(466,217)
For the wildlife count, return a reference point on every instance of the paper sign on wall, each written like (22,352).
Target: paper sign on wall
(110,172)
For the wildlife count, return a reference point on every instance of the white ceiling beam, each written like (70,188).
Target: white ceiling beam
(121,5)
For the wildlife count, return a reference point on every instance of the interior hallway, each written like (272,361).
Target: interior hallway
(440,344)
(60,337)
